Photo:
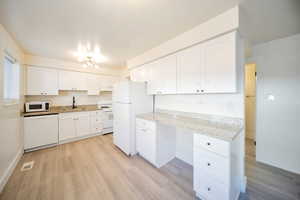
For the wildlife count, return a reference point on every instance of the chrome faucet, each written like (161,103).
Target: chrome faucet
(73,104)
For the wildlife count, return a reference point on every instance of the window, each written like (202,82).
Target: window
(11,84)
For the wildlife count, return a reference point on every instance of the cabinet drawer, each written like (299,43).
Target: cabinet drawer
(96,119)
(208,188)
(96,113)
(212,165)
(145,124)
(212,144)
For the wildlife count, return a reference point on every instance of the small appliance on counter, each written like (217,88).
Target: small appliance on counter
(37,106)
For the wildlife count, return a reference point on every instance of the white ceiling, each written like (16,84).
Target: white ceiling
(126,28)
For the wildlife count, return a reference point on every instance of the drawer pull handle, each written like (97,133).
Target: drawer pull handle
(208,164)
(208,189)
(208,144)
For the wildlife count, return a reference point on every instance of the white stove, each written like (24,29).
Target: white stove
(107,116)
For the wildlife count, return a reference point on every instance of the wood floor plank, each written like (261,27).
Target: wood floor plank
(94,168)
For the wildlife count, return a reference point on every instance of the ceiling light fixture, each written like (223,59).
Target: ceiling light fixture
(88,57)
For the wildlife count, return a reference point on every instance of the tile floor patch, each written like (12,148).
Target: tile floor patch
(27,166)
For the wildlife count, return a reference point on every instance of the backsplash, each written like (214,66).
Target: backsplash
(231,105)
(65,98)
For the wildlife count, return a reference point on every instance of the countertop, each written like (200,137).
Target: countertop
(224,128)
(63,109)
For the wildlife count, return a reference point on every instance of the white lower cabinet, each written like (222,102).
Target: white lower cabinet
(72,125)
(158,149)
(82,123)
(40,131)
(215,169)
(67,129)
(96,121)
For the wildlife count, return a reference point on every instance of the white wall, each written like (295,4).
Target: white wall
(11,138)
(278,121)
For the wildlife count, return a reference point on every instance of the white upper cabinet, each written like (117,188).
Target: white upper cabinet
(139,74)
(93,84)
(42,81)
(190,70)
(107,82)
(219,62)
(209,67)
(162,76)
(69,80)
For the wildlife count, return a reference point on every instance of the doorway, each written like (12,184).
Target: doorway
(250,103)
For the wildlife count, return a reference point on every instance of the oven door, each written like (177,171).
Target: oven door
(107,119)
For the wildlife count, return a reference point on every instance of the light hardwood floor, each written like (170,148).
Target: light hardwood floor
(95,169)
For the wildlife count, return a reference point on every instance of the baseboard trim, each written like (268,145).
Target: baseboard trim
(244,184)
(8,172)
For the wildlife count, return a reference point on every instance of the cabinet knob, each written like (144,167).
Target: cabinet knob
(208,144)
(208,164)
(208,189)
(202,90)
(197,90)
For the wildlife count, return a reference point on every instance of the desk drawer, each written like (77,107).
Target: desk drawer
(212,165)
(218,146)
(210,189)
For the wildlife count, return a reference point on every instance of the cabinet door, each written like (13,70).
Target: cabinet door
(139,74)
(42,81)
(40,130)
(93,84)
(146,144)
(67,128)
(107,82)
(166,72)
(72,80)
(190,70)
(152,85)
(220,64)
(163,76)
(82,121)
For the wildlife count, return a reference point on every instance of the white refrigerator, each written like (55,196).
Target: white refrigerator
(129,99)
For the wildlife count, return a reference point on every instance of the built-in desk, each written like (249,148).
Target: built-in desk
(218,149)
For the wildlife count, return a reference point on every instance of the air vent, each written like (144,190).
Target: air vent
(27,166)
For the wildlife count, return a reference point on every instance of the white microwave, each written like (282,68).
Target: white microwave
(36,106)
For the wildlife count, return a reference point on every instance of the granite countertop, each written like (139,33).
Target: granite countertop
(63,109)
(225,128)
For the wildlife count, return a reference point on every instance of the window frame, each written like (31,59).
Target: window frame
(11,101)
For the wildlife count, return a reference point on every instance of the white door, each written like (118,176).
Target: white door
(67,129)
(190,70)
(220,64)
(42,81)
(122,126)
(82,123)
